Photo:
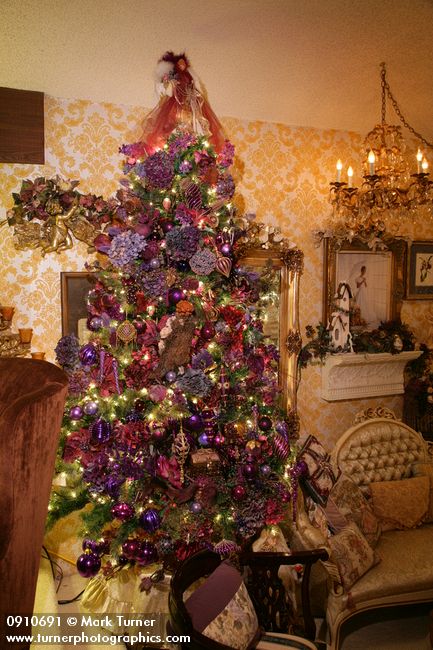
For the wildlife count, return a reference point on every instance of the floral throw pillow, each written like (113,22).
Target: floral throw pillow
(221,609)
(352,555)
(320,475)
(353,505)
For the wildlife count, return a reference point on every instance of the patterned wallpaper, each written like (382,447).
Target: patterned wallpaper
(282,174)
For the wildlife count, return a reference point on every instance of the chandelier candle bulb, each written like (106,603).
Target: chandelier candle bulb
(371,161)
(419,161)
(350,177)
(339,167)
(425,166)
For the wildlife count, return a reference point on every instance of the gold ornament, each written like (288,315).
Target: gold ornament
(126,332)
(181,451)
(224,265)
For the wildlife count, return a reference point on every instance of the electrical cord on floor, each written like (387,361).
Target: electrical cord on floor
(59,578)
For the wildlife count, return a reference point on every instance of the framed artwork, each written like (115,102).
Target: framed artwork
(375,277)
(420,271)
(75,285)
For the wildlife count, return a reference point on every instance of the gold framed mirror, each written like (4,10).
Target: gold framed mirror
(282,270)
(376,278)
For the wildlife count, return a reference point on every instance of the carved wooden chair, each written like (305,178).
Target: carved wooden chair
(272,604)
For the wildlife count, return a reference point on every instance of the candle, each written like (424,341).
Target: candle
(339,167)
(349,177)
(371,161)
(425,166)
(418,161)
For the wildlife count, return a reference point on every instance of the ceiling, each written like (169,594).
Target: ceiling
(300,62)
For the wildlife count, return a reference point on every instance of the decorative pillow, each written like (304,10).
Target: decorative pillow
(401,504)
(353,505)
(221,609)
(426,469)
(320,475)
(352,555)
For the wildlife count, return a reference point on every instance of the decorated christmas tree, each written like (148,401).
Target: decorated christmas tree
(174,433)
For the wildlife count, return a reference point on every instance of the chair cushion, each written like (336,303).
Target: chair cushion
(401,504)
(353,505)
(426,469)
(221,609)
(352,554)
(320,476)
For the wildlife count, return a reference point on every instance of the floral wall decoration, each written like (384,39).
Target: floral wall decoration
(282,174)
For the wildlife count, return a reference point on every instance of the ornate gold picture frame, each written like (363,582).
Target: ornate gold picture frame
(376,278)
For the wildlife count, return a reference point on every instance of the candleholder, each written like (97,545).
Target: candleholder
(25,334)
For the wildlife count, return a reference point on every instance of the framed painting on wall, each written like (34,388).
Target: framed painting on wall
(75,285)
(375,278)
(420,271)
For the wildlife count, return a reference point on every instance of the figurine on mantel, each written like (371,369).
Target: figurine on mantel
(339,326)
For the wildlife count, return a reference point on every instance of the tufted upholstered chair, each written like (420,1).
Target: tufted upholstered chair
(32,398)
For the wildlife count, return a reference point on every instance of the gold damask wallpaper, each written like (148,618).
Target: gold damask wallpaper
(282,175)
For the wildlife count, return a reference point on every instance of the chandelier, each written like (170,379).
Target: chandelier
(389,191)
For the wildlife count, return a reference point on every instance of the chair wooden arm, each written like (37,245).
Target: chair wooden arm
(273,605)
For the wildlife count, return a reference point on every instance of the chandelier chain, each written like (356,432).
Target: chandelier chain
(386,89)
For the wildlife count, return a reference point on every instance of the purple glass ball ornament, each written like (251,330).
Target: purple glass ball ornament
(96,323)
(88,355)
(175,294)
(113,485)
(195,507)
(193,423)
(146,553)
(150,520)
(130,548)
(265,470)
(91,408)
(239,493)
(226,249)
(122,511)
(154,263)
(139,324)
(88,565)
(158,432)
(282,428)
(165,225)
(265,423)
(170,376)
(89,545)
(76,413)
(249,470)
(208,331)
(204,440)
(301,468)
(182,266)
(100,431)
(218,440)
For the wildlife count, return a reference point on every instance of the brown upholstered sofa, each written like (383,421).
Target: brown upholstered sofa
(32,397)
(375,451)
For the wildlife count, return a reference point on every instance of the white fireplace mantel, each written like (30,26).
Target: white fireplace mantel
(354,376)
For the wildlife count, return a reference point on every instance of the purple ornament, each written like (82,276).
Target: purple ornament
(195,507)
(170,376)
(175,294)
(112,486)
(155,263)
(88,355)
(100,431)
(301,468)
(265,423)
(226,249)
(88,565)
(218,440)
(130,548)
(139,324)
(249,470)
(204,440)
(96,323)
(282,428)
(239,493)
(281,446)
(89,545)
(165,225)
(150,520)
(76,413)
(182,266)
(265,470)
(90,408)
(208,331)
(193,423)
(146,553)
(122,511)
(158,432)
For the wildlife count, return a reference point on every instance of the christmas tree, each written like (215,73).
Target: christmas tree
(173,432)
